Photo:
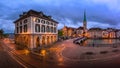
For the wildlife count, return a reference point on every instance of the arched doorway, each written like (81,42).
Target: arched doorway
(48,40)
(51,39)
(43,40)
(54,38)
(37,42)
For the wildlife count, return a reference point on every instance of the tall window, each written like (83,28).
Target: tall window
(37,28)
(20,29)
(51,29)
(54,29)
(20,22)
(17,29)
(48,29)
(54,24)
(43,28)
(25,28)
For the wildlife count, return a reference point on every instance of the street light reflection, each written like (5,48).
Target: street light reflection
(27,52)
(43,52)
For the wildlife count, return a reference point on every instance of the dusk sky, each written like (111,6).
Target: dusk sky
(100,13)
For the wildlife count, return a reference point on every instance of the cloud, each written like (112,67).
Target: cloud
(69,12)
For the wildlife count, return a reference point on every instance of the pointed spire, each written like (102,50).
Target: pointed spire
(84,16)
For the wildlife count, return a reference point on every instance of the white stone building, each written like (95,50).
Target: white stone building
(34,29)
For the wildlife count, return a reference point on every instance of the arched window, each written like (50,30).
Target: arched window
(37,20)
(25,21)
(43,21)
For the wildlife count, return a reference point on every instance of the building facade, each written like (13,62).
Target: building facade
(34,29)
(76,32)
(95,33)
(102,33)
(68,31)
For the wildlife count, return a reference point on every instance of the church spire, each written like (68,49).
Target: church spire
(85,20)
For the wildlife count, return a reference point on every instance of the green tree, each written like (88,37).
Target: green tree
(60,33)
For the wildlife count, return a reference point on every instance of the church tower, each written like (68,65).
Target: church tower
(85,23)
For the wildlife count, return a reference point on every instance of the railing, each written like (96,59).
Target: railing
(103,45)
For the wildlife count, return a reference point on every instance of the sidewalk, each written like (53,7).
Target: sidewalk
(79,53)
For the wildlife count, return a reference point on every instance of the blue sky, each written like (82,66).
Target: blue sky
(100,13)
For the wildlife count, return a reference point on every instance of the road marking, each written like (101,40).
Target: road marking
(7,50)
(17,60)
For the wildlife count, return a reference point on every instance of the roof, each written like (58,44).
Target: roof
(100,29)
(35,14)
(80,28)
(69,27)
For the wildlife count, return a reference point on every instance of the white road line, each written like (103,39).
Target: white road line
(17,60)
(13,56)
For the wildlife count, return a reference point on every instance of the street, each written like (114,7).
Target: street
(58,58)
(6,61)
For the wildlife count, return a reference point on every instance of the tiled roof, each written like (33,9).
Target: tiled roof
(80,28)
(95,29)
(35,14)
